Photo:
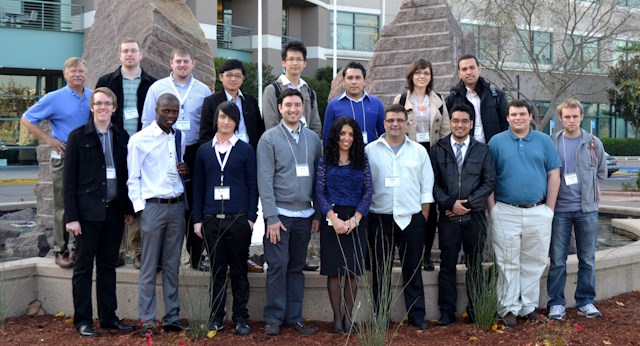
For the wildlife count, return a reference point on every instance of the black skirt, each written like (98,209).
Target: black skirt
(342,254)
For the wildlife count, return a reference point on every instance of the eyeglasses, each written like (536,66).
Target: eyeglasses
(294,60)
(422,74)
(458,121)
(398,120)
(127,51)
(232,75)
(100,104)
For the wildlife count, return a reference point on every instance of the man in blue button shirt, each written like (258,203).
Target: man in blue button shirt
(521,211)
(66,109)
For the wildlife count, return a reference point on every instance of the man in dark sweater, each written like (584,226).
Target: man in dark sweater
(225,207)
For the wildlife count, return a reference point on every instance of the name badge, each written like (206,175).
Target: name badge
(365,138)
(570,179)
(329,222)
(130,113)
(422,137)
(55,155)
(477,131)
(391,181)
(183,125)
(302,170)
(222,193)
(111,173)
(172,177)
(243,137)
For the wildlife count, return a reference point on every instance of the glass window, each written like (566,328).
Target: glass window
(487,40)
(620,50)
(356,31)
(588,52)
(539,43)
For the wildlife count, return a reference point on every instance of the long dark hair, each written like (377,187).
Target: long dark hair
(332,149)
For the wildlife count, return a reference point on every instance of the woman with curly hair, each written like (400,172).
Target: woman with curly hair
(428,123)
(343,193)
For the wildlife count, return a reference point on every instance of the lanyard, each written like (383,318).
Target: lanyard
(222,163)
(182,99)
(291,147)
(364,114)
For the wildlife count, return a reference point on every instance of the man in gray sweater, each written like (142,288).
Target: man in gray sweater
(287,156)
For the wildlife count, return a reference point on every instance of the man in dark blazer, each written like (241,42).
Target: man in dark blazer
(251,126)
(96,207)
(130,84)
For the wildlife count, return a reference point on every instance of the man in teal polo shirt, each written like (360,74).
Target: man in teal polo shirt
(521,211)
(66,109)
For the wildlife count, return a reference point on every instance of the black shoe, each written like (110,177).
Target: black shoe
(308,267)
(204,265)
(86,330)
(446,318)
(420,324)
(242,328)
(303,328)
(510,320)
(117,325)
(272,329)
(216,325)
(175,326)
(428,264)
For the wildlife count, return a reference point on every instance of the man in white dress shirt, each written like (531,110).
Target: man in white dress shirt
(402,192)
(156,190)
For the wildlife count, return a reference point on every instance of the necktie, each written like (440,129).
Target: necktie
(459,155)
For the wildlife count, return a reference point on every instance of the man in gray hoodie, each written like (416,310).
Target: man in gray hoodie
(287,156)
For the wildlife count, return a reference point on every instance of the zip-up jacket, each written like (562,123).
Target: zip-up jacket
(474,182)
(591,165)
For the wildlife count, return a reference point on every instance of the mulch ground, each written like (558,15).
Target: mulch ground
(620,325)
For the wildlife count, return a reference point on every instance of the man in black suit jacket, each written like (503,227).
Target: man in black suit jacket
(97,205)
(130,77)
(251,126)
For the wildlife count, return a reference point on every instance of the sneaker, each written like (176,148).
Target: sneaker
(272,329)
(216,325)
(589,311)
(556,312)
(304,328)
(136,262)
(510,320)
(242,328)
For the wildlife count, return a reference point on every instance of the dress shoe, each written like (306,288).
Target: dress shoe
(303,328)
(428,264)
(272,329)
(446,318)
(86,330)
(535,317)
(420,324)
(175,326)
(510,320)
(242,328)
(308,267)
(253,267)
(117,325)
(63,261)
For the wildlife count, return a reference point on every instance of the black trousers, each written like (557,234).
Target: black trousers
(432,222)
(471,234)
(99,240)
(227,241)
(194,243)
(384,235)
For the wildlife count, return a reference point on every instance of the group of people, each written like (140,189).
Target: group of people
(167,158)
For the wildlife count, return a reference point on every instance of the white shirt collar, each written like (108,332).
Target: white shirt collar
(290,129)
(176,82)
(466,141)
(230,98)
(157,131)
(215,141)
(286,82)
(344,94)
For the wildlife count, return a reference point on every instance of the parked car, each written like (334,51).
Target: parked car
(612,164)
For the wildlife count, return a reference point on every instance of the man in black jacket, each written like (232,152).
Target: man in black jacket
(487,102)
(97,205)
(130,84)
(464,177)
(251,126)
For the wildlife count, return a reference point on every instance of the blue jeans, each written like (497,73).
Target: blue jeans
(586,230)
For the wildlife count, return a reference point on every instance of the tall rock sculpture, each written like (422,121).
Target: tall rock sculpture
(421,29)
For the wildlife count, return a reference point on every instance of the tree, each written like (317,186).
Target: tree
(553,43)
(625,95)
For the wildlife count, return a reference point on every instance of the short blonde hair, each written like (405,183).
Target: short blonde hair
(570,103)
(107,92)
(73,62)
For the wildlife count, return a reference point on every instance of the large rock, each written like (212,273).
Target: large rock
(159,26)
(421,29)
(28,245)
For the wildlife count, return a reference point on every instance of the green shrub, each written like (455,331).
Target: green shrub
(622,146)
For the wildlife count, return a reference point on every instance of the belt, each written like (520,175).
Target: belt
(223,216)
(166,200)
(527,206)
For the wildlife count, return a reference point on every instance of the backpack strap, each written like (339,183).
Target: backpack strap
(403,98)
